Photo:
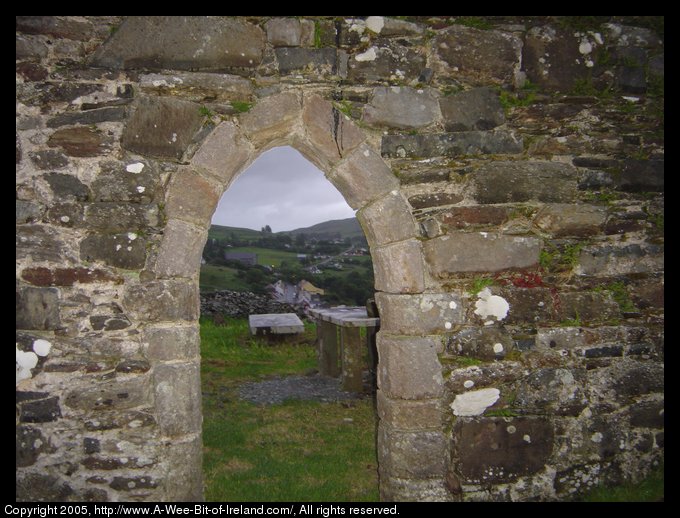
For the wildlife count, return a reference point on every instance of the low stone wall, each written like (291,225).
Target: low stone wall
(240,304)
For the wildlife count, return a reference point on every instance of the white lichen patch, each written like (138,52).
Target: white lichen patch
(475,402)
(596,437)
(527,438)
(468,384)
(135,168)
(448,325)
(511,429)
(25,362)
(453,305)
(489,305)
(131,236)
(375,23)
(498,348)
(369,55)
(141,189)
(42,347)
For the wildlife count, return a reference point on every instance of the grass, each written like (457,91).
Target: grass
(216,278)
(295,451)
(651,489)
(268,256)
(479,284)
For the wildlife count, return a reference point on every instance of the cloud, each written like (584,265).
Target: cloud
(283,190)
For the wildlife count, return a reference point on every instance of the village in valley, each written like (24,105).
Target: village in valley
(327,264)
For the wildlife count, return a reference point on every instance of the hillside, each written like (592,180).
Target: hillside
(335,229)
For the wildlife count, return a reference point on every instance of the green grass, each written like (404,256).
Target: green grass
(651,489)
(295,451)
(268,256)
(216,278)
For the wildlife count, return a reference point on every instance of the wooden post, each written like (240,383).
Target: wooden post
(328,349)
(352,364)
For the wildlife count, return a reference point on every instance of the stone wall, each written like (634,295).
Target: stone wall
(508,174)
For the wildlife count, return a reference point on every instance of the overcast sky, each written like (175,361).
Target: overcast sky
(283,190)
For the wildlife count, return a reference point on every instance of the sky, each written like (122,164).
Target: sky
(283,190)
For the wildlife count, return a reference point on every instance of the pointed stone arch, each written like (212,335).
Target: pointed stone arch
(333,143)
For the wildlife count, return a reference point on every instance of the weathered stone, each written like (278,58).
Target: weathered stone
(184,458)
(413,367)
(464,217)
(272,118)
(480,342)
(112,420)
(67,186)
(37,308)
(18,149)
(398,267)
(32,71)
(41,411)
(401,107)
(181,250)
(476,109)
(425,314)
(637,379)
(198,86)
(40,276)
(605,351)
(161,127)
(110,394)
(560,338)
(182,43)
(424,201)
(30,47)
(387,220)
(331,134)
(562,220)
(120,250)
(402,414)
(111,114)
(38,487)
(191,197)
(120,217)
(30,443)
(529,304)
(507,182)
(133,366)
(132,483)
(492,450)
(486,374)
(395,27)
(42,243)
(109,322)
(27,211)
(57,26)
(386,61)
(66,214)
(626,35)
(413,490)
(48,159)
(315,61)
(647,414)
(481,55)
(656,65)
(363,177)
(610,261)
(587,306)
(81,141)
(116,183)
(178,398)
(223,153)
(640,176)
(283,32)
(451,144)
(480,252)
(553,391)
(91,445)
(162,301)
(412,454)
(172,343)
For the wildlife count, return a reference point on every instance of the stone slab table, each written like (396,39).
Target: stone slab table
(275,324)
(348,320)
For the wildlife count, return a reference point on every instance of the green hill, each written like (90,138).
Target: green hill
(335,229)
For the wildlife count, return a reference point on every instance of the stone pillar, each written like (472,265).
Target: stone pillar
(352,364)
(328,349)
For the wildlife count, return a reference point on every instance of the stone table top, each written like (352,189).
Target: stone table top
(346,316)
(276,323)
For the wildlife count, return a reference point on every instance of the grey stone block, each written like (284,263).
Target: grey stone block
(167,301)
(37,308)
(423,314)
(284,32)
(451,144)
(402,107)
(480,252)
(177,391)
(398,267)
(118,250)
(412,454)
(182,43)
(191,197)
(387,220)
(476,109)
(67,187)
(316,61)
(408,367)
(172,343)
(181,250)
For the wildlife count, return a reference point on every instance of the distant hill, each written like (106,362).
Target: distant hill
(335,229)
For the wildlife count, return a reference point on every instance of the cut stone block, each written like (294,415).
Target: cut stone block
(275,324)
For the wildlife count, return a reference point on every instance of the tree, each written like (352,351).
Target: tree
(266,229)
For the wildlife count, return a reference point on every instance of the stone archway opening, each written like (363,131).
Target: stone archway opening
(267,403)
(335,145)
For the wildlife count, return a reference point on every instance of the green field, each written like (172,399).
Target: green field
(217,278)
(268,256)
(298,451)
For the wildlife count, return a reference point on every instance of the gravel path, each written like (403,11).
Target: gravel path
(280,389)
